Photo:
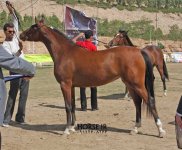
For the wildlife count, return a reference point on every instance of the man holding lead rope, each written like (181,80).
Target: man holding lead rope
(14,46)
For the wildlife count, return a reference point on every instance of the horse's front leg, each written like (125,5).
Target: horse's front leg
(126,94)
(73,123)
(66,90)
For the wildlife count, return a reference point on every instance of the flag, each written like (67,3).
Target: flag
(76,21)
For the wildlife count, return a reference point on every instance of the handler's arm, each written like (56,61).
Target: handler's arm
(77,37)
(14,20)
(13,16)
(15,64)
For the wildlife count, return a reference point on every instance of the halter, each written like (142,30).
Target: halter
(118,37)
(28,35)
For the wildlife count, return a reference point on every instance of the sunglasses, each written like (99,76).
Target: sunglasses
(11,32)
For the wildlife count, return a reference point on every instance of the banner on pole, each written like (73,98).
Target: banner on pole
(76,21)
(176,57)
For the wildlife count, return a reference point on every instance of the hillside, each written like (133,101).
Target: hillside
(50,7)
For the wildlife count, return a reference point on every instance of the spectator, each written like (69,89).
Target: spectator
(87,44)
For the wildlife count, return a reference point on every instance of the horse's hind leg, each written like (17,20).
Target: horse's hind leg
(137,101)
(150,101)
(156,117)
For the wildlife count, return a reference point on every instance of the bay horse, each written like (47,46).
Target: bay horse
(154,52)
(76,67)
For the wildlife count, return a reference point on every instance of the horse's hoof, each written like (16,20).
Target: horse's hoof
(72,129)
(133,132)
(126,97)
(165,93)
(75,125)
(66,132)
(162,134)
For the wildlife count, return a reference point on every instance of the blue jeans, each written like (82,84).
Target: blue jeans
(15,85)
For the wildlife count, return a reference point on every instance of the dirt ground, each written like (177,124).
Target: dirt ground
(45,118)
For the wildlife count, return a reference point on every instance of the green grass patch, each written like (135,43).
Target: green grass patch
(38,58)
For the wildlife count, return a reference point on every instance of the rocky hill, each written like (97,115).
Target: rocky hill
(47,7)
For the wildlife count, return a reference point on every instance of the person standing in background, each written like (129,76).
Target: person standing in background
(87,44)
(14,46)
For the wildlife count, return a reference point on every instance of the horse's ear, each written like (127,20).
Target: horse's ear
(42,20)
(127,31)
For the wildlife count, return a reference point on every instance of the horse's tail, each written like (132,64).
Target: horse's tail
(149,82)
(165,70)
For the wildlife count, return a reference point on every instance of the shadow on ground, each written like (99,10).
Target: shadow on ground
(120,96)
(58,129)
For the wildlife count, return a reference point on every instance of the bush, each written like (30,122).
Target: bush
(160,45)
(175,33)
(3,18)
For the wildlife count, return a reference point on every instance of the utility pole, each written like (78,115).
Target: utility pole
(33,44)
(156,21)
(150,37)
(64,11)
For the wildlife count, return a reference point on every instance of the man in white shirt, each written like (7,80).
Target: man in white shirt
(14,47)
(14,64)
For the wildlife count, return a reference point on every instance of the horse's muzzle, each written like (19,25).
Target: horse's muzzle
(23,37)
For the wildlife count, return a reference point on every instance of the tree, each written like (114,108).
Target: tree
(139,3)
(3,18)
(166,3)
(158,34)
(119,2)
(175,33)
(27,21)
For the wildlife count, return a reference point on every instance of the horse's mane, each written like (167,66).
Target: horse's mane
(62,34)
(128,39)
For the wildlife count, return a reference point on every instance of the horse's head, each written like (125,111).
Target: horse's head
(120,39)
(32,33)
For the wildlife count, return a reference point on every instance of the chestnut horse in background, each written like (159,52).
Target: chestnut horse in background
(76,67)
(154,52)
